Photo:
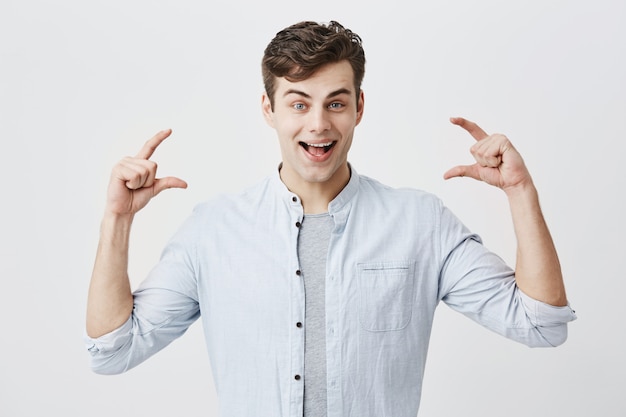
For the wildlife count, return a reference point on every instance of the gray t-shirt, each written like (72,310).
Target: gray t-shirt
(312,252)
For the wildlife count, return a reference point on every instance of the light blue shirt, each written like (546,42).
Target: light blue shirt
(393,255)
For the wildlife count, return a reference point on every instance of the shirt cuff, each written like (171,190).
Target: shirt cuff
(111,341)
(545,315)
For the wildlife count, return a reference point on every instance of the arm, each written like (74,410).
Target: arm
(133,183)
(537,270)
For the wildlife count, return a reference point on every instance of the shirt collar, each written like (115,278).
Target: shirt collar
(336,205)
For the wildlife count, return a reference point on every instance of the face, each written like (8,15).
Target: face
(315,120)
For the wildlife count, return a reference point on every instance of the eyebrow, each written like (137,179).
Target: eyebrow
(305,95)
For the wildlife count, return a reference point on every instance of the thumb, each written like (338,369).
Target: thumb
(462,171)
(165,183)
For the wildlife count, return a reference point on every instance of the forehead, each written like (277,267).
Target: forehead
(328,79)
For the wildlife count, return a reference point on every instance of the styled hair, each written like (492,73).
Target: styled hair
(299,50)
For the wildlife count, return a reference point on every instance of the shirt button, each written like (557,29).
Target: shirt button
(298,324)
(298,224)
(297,377)
(294,199)
(298,272)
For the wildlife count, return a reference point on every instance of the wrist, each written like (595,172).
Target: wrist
(522,190)
(112,221)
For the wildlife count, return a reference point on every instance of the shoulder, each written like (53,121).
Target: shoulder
(228,210)
(410,207)
(228,215)
(235,202)
(373,191)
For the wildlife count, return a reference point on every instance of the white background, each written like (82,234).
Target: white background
(85,83)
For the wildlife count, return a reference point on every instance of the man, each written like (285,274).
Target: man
(317,287)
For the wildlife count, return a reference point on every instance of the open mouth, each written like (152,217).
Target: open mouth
(317,149)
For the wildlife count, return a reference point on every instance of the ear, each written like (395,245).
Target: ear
(359,107)
(266,107)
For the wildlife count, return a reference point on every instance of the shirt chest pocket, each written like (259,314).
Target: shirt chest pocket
(386,294)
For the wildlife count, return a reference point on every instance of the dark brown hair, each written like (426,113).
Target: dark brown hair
(299,50)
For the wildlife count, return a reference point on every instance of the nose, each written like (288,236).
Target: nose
(318,120)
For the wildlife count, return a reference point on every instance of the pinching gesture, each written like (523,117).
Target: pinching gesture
(497,162)
(133,180)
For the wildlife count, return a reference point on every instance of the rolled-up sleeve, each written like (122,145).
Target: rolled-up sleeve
(480,285)
(165,305)
(550,321)
(159,317)
(104,349)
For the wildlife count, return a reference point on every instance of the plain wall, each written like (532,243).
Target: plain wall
(84,83)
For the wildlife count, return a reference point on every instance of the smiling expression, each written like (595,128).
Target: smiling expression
(315,120)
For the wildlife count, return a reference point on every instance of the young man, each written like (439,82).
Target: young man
(317,287)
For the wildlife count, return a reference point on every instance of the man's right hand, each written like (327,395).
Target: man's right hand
(133,180)
(133,183)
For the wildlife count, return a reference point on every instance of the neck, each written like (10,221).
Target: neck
(316,196)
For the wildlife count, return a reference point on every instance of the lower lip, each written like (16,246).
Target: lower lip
(318,158)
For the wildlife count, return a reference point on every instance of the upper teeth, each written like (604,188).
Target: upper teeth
(319,145)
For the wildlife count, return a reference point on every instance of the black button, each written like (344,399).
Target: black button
(298,224)
(298,272)
(298,324)
(294,199)
(297,377)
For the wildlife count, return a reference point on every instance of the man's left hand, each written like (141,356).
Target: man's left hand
(497,162)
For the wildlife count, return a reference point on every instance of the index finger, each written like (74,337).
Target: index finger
(471,127)
(150,146)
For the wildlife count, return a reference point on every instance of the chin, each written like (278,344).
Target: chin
(320,176)
(317,178)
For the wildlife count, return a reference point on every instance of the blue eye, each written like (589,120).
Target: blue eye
(335,106)
(299,106)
